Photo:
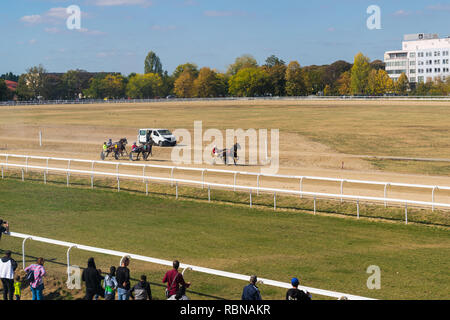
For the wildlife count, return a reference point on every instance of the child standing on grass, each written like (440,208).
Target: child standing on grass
(18,287)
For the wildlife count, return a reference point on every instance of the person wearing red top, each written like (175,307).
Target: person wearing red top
(174,279)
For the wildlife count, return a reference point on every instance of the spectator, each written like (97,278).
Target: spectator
(7,268)
(110,284)
(251,291)
(174,279)
(18,287)
(295,294)
(37,285)
(123,280)
(93,280)
(142,290)
(4,227)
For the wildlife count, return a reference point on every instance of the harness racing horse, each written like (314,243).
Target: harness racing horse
(145,149)
(224,154)
(117,148)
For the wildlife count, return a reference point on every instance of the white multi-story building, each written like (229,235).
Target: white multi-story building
(423,58)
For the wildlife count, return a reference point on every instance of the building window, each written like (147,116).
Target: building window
(412,79)
(437,61)
(420,79)
(412,63)
(412,71)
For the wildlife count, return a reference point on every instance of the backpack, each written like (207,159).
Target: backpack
(29,278)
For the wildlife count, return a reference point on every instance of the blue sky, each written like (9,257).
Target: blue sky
(116,35)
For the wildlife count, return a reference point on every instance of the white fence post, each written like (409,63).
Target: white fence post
(301,187)
(274,201)
(257,185)
(385,194)
(40,138)
(342,190)
(357,208)
(250,198)
(68,261)
(406,212)
(432,197)
(23,179)
(209,193)
(23,251)
(146,187)
(176,190)
(314,204)
(118,184)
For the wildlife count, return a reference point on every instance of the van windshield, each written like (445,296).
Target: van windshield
(164,132)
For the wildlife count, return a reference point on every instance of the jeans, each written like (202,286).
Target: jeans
(123,294)
(8,288)
(37,292)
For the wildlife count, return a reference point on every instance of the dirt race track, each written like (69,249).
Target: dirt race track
(78,131)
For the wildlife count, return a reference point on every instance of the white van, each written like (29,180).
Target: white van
(159,137)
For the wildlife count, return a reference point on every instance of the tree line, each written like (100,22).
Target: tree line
(243,78)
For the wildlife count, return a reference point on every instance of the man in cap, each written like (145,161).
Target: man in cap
(295,294)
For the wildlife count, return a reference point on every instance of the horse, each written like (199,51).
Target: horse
(118,148)
(225,153)
(145,149)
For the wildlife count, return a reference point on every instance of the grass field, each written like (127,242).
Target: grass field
(316,134)
(324,252)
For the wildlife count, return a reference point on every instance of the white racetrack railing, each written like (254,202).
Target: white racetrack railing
(203,171)
(184,266)
(274,191)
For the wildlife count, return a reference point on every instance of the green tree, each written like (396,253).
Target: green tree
(152,64)
(4,91)
(273,61)
(73,83)
(35,80)
(189,67)
(144,86)
(114,86)
(208,84)
(379,82)
(360,74)
(276,69)
(184,85)
(244,61)
(23,91)
(249,82)
(402,84)
(314,78)
(344,84)
(295,82)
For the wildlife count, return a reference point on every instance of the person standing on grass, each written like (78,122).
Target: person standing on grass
(37,285)
(123,280)
(110,284)
(141,290)
(251,291)
(174,279)
(4,227)
(295,294)
(7,268)
(18,287)
(93,280)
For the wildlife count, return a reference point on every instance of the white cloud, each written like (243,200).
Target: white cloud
(35,18)
(91,32)
(105,3)
(52,16)
(402,13)
(32,41)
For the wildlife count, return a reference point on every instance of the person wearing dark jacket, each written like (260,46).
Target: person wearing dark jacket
(93,281)
(251,291)
(7,267)
(295,294)
(141,290)
(123,280)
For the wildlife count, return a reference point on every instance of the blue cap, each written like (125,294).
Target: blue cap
(295,282)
